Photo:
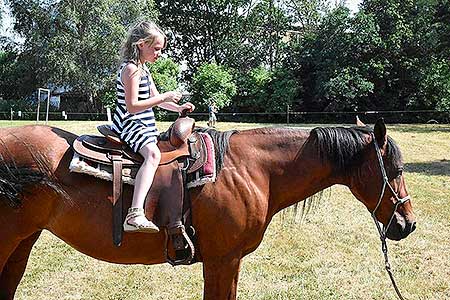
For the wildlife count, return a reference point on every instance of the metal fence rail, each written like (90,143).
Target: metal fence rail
(288,117)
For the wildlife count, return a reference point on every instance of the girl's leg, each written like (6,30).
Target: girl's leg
(136,220)
(144,177)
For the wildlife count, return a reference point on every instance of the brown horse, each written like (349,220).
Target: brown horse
(262,172)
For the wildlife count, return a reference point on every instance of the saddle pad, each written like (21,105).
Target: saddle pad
(207,173)
(79,164)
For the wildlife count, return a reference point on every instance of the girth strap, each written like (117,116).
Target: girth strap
(117,199)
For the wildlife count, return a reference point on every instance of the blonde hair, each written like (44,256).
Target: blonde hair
(143,31)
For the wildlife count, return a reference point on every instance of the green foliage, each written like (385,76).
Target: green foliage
(165,73)
(75,44)
(17,79)
(308,14)
(332,65)
(253,89)
(213,84)
(108,97)
(265,90)
(285,90)
(239,34)
(389,56)
(346,86)
(434,86)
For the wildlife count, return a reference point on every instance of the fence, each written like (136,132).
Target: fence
(289,117)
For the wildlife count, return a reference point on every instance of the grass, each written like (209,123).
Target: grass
(333,254)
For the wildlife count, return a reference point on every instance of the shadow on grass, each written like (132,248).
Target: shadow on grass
(440,167)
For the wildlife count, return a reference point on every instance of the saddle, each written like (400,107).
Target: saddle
(183,152)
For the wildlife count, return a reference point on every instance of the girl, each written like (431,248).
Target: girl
(134,120)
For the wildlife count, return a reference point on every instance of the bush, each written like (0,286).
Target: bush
(213,84)
(265,90)
(165,73)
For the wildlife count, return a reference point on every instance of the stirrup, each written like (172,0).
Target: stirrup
(135,212)
(188,248)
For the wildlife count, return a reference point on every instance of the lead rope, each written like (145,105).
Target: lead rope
(387,265)
(382,231)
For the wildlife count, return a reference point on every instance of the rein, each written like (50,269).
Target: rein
(382,230)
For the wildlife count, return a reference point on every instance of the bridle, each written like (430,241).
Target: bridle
(383,229)
(399,201)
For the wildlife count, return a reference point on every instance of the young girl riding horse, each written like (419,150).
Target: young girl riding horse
(134,119)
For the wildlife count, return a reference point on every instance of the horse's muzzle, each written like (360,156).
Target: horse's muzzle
(400,228)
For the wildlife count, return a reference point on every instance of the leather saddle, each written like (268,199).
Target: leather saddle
(183,152)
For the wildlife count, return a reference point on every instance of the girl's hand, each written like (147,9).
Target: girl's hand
(172,96)
(188,105)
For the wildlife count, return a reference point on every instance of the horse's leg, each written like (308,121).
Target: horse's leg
(234,283)
(15,266)
(221,278)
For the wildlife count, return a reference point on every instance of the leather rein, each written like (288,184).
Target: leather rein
(383,229)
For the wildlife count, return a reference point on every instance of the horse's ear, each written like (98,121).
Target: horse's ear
(359,122)
(380,132)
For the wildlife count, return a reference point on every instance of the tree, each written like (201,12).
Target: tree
(388,56)
(74,44)
(332,64)
(17,80)
(198,27)
(165,73)
(253,90)
(415,71)
(307,14)
(241,34)
(213,84)
(14,82)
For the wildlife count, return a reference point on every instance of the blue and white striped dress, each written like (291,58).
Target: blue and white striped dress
(137,129)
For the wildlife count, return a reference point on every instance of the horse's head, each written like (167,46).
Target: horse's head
(379,183)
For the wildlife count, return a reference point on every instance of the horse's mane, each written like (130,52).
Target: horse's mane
(221,140)
(343,146)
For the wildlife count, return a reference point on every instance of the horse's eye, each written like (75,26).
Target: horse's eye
(399,173)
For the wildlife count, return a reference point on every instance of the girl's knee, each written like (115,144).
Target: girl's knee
(151,154)
(156,156)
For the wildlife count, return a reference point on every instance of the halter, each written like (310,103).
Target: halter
(382,230)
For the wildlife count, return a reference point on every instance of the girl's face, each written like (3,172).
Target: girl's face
(150,53)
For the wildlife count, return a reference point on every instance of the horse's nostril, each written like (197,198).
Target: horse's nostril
(410,227)
(413,226)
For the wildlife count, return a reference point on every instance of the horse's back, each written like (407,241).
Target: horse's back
(40,132)
(25,145)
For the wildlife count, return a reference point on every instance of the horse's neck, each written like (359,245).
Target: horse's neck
(296,170)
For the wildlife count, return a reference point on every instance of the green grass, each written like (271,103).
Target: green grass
(333,254)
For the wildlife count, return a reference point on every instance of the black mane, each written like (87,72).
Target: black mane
(343,146)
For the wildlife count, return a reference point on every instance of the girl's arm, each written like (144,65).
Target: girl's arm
(130,78)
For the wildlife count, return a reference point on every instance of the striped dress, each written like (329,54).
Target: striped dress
(138,129)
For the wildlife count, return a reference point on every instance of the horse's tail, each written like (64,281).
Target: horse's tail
(14,176)
(13,180)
